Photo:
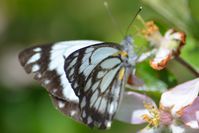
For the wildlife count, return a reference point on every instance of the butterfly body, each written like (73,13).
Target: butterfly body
(84,78)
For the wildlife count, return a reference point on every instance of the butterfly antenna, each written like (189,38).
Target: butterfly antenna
(130,24)
(112,18)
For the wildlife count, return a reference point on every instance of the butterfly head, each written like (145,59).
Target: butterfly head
(128,44)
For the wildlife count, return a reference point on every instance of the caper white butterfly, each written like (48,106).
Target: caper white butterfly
(84,78)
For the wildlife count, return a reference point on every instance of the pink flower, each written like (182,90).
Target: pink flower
(190,114)
(178,109)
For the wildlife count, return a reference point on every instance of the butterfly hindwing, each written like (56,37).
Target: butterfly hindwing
(95,74)
(67,107)
(47,64)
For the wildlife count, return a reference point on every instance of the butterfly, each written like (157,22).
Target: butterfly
(84,78)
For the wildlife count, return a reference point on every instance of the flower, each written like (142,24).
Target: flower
(178,109)
(172,12)
(168,46)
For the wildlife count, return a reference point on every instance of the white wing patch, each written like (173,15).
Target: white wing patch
(37,50)
(102,53)
(108,78)
(110,63)
(35,68)
(34,58)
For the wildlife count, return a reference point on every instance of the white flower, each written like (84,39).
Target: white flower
(179,109)
(167,46)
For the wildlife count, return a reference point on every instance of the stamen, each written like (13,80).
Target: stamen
(154,118)
(150,28)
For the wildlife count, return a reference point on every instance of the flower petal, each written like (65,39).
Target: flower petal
(180,96)
(165,118)
(190,114)
(182,129)
(177,129)
(161,59)
(149,130)
(132,108)
(170,47)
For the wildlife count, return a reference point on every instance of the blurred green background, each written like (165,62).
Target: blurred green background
(25,107)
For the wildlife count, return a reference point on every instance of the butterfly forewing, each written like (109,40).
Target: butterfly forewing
(95,74)
(47,64)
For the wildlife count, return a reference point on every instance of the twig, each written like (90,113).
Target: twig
(188,66)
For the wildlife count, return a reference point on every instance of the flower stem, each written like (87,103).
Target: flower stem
(188,66)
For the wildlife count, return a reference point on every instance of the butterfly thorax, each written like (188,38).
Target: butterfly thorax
(128,44)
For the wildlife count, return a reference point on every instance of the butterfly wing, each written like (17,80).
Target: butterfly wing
(96,74)
(47,64)
(67,107)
